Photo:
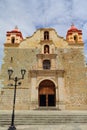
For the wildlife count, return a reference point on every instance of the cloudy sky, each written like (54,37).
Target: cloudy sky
(29,15)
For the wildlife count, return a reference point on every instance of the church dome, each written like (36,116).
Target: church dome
(73,28)
(15,30)
(74,35)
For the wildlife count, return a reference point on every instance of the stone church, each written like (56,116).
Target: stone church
(55,70)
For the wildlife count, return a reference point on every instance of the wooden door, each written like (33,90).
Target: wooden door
(47,93)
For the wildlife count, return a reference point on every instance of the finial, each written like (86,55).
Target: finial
(16,27)
(72,24)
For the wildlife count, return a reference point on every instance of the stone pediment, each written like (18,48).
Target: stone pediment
(37,39)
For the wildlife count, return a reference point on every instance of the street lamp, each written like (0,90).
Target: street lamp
(15,79)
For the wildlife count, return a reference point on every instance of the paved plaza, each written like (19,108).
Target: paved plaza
(49,127)
(65,126)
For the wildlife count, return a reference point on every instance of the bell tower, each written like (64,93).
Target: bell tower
(74,36)
(13,38)
(47,56)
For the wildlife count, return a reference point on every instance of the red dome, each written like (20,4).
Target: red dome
(73,28)
(16,32)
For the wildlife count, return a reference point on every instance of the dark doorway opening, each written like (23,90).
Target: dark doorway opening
(47,94)
(42,100)
(51,100)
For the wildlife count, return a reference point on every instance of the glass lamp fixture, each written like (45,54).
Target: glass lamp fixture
(23,71)
(10,72)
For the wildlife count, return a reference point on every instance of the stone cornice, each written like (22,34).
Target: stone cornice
(11,45)
(35,73)
(46,56)
(46,41)
(76,44)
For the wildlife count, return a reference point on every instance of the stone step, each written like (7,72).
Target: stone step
(43,118)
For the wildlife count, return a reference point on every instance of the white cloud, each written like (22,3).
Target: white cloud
(79,9)
(31,14)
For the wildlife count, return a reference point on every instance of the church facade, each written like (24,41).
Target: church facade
(55,70)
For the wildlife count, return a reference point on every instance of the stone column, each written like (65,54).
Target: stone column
(53,64)
(57,98)
(61,90)
(40,63)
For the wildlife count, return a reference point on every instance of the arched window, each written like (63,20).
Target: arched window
(46,64)
(46,49)
(75,38)
(46,35)
(13,40)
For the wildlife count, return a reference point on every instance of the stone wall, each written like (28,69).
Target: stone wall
(75,78)
(22,59)
(71,60)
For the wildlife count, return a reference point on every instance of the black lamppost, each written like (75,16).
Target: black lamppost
(15,79)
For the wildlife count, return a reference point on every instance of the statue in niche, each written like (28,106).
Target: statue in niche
(46,49)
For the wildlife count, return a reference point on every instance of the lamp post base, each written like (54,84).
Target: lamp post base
(12,128)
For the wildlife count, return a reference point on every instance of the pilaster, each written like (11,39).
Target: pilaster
(61,90)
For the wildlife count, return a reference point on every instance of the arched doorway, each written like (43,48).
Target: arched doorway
(76,38)
(47,93)
(13,40)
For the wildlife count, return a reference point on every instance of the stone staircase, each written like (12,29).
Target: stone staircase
(43,118)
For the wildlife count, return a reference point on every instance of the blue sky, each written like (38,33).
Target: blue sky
(29,15)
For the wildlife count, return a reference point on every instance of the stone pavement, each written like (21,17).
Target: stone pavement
(50,127)
(70,126)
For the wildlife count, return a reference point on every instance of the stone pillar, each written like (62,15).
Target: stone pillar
(61,90)
(34,94)
(53,64)
(57,98)
(40,63)
(42,49)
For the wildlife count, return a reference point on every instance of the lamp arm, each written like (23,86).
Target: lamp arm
(11,78)
(19,79)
